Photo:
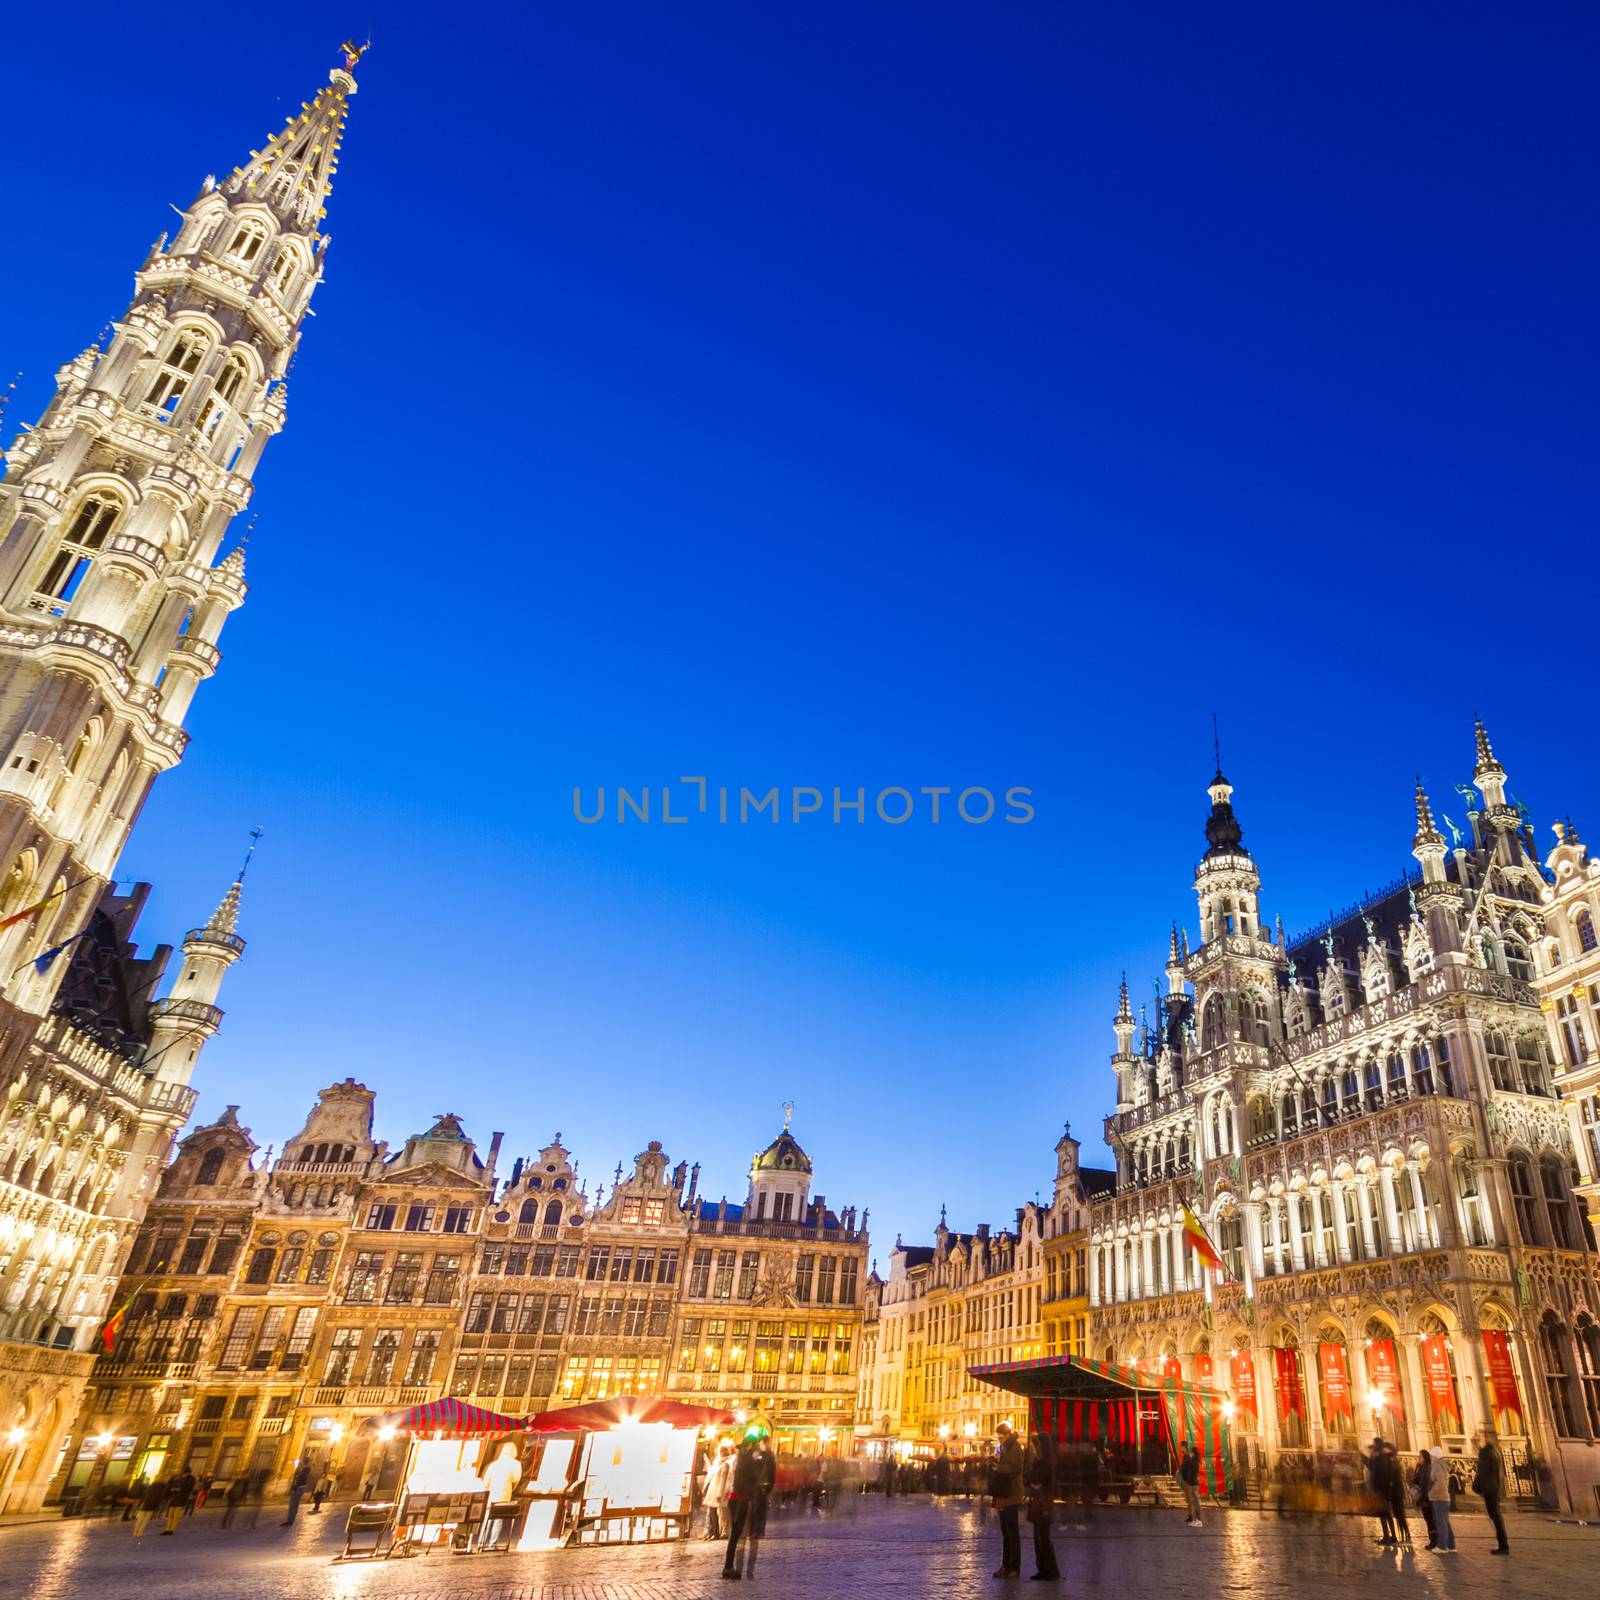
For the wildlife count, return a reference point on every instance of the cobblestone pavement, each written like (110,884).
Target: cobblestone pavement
(902,1549)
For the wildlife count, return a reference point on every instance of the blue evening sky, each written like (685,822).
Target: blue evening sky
(860,395)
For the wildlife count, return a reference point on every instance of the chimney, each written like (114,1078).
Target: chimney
(494,1155)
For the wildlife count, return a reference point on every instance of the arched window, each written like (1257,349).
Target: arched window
(1518,962)
(176,372)
(210,1166)
(233,381)
(1523,1201)
(1330,1100)
(1587,1344)
(283,271)
(1500,1068)
(1350,1092)
(1583,926)
(1261,1020)
(1557,1379)
(1372,1076)
(261,1265)
(1422,1068)
(86,533)
(529,1211)
(1214,1027)
(1533,1064)
(1395,1068)
(1441,1061)
(1230,1243)
(1259,1121)
(247,241)
(1558,1202)
(1287,1117)
(552,1213)
(1469,1197)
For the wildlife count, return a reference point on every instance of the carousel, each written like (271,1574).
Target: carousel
(476,1481)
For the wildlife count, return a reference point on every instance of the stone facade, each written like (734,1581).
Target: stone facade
(972,1299)
(1365,1121)
(113,594)
(276,1306)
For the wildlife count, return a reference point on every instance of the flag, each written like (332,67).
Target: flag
(26,912)
(113,1324)
(1198,1240)
(43,963)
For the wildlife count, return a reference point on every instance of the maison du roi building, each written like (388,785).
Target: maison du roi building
(1387,1127)
(279,1304)
(113,593)
(971,1299)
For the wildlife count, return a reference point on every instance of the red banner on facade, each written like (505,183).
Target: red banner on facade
(1335,1384)
(1441,1384)
(1203,1367)
(1172,1367)
(1383,1368)
(1242,1373)
(1291,1397)
(1502,1375)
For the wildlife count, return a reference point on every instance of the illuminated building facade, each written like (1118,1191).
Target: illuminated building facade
(114,590)
(1365,1121)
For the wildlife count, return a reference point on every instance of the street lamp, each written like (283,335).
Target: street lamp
(944,1430)
(1375,1402)
(16,1436)
(971,1430)
(1227,1411)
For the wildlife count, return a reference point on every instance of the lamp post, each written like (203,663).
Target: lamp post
(1375,1402)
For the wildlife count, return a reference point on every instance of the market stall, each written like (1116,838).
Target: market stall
(1142,1419)
(631,1468)
(458,1488)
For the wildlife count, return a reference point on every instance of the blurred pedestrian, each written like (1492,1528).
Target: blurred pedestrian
(232,1498)
(1489,1480)
(1006,1492)
(179,1489)
(298,1485)
(719,1480)
(1419,1489)
(1039,1471)
(152,1497)
(1378,1469)
(1438,1492)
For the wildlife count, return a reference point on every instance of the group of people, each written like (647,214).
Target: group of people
(737,1491)
(1434,1491)
(181,1494)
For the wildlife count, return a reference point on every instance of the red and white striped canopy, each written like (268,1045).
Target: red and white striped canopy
(453,1418)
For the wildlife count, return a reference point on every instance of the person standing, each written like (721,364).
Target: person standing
(1419,1486)
(152,1497)
(297,1488)
(1438,1491)
(1040,1472)
(719,1480)
(1378,1469)
(203,1493)
(741,1492)
(1395,1482)
(1005,1490)
(178,1492)
(232,1498)
(321,1489)
(1489,1480)
(1189,1477)
(766,1482)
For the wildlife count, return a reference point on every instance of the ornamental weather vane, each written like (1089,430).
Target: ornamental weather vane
(353,52)
(788,1113)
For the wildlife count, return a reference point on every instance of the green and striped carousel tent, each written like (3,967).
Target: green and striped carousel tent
(1076,1399)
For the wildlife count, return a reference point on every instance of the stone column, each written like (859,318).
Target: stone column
(1391,1217)
(1425,1222)
(1415,1392)
(1291,1211)
(1180,1273)
(1341,1223)
(1319,1250)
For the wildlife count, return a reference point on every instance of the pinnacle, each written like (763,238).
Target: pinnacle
(1124,1010)
(225,919)
(1486,760)
(1426,832)
(233,562)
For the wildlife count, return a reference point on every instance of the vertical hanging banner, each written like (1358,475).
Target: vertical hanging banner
(1335,1385)
(1502,1375)
(1242,1372)
(1172,1367)
(1383,1368)
(1203,1367)
(1291,1398)
(1441,1384)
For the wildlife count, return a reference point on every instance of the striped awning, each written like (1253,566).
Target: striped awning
(597,1415)
(453,1418)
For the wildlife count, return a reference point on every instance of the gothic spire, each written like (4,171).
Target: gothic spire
(294,173)
(1124,1010)
(1224,836)
(1486,760)
(1426,832)
(225,919)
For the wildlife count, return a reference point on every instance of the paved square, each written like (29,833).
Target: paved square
(905,1548)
